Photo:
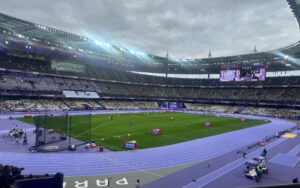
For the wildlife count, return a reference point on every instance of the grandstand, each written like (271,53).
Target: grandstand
(35,66)
(46,71)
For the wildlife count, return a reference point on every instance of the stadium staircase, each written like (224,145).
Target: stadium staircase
(239,110)
(102,106)
(32,84)
(67,105)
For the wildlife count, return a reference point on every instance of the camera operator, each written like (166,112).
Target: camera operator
(6,178)
(16,173)
(9,175)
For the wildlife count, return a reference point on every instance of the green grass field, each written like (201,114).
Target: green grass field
(183,127)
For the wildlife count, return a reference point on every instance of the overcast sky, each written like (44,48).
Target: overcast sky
(187,28)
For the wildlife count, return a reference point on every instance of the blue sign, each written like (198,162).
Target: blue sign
(129,145)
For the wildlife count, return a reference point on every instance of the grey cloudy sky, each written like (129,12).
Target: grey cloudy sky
(187,28)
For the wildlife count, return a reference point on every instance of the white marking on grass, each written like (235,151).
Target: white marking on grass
(98,126)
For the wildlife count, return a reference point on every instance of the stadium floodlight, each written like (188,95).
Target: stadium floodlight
(122,49)
(98,42)
(102,44)
(286,57)
(131,51)
(6,42)
(140,53)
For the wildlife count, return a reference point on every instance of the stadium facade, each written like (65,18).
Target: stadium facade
(39,62)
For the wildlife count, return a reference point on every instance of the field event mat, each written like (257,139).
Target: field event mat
(289,135)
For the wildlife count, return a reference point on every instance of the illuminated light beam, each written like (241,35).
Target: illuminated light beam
(293,60)
(102,44)
(287,57)
(98,42)
(140,53)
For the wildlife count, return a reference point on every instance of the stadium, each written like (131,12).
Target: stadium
(79,112)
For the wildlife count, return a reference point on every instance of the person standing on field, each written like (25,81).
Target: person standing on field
(131,123)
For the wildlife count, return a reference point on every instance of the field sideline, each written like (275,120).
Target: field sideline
(176,127)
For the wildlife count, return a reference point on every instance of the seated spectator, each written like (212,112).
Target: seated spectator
(258,171)
(16,173)
(251,174)
(263,168)
(9,175)
(6,177)
(246,171)
(1,170)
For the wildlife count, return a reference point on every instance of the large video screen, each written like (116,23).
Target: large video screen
(229,75)
(255,74)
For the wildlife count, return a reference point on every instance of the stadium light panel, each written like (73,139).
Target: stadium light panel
(286,56)
(102,44)
(98,43)
(140,53)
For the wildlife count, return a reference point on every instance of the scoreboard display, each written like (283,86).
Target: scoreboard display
(254,74)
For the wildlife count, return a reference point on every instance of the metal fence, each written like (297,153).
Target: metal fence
(59,132)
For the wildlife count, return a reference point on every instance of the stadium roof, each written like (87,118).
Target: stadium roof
(31,30)
(295,6)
